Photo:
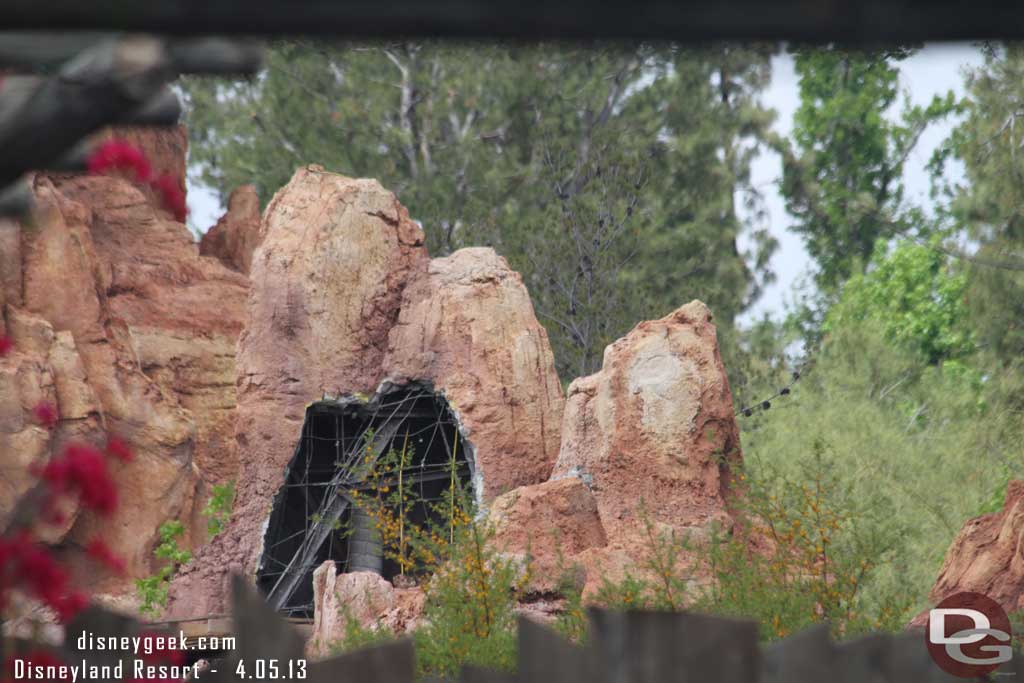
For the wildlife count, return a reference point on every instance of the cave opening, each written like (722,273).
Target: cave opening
(317,514)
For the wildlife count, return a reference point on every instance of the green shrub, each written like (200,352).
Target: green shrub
(469,617)
(919,448)
(218,507)
(470,588)
(153,589)
(804,551)
(796,557)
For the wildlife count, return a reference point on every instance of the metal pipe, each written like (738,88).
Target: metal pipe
(366,549)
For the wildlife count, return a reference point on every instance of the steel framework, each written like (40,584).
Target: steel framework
(341,443)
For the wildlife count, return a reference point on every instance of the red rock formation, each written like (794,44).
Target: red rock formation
(237,234)
(365,597)
(344,297)
(987,557)
(467,324)
(553,521)
(119,322)
(327,281)
(656,422)
(654,427)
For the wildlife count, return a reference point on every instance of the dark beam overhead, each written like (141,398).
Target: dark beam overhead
(685,20)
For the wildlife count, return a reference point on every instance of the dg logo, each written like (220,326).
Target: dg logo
(968,635)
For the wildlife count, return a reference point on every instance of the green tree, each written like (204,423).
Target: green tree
(921,448)
(986,208)
(707,108)
(842,174)
(917,298)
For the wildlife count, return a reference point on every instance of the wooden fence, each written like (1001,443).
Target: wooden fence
(646,647)
(622,647)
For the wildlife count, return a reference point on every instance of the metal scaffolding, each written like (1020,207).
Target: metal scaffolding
(341,443)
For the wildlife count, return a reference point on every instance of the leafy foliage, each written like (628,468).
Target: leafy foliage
(801,555)
(218,507)
(470,587)
(468,615)
(916,298)
(918,446)
(808,553)
(985,209)
(153,589)
(843,173)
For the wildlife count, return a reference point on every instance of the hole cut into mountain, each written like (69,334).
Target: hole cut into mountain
(351,457)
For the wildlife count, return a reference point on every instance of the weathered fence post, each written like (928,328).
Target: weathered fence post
(665,647)
(804,657)
(546,656)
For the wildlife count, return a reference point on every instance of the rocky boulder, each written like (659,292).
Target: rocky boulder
(344,301)
(655,424)
(647,445)
(467,324)
(987,557)
(28,377)
(236,235)
(363,597)
(552,522)
(326,285)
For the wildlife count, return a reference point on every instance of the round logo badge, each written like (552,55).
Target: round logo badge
(968,635)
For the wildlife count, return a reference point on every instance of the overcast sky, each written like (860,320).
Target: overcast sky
(935,69)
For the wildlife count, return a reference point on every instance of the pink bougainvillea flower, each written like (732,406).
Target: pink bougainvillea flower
(118,448)
(30,567)
(171,195)
(5,345)
(91,477)
(46,414)
(118,155)
(101,552)
(11,548)
(83,469)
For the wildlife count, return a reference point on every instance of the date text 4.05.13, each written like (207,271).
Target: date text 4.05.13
(271,669)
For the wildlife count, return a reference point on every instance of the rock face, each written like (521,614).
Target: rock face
(553,521)
(118,322)
(121,321)
(363,596)
(654,426)
(468,325)
(327,281)
(656,421)
(987,557)
(344,297)
(236,235)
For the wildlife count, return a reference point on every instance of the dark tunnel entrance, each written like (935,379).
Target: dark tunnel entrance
(316,514)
